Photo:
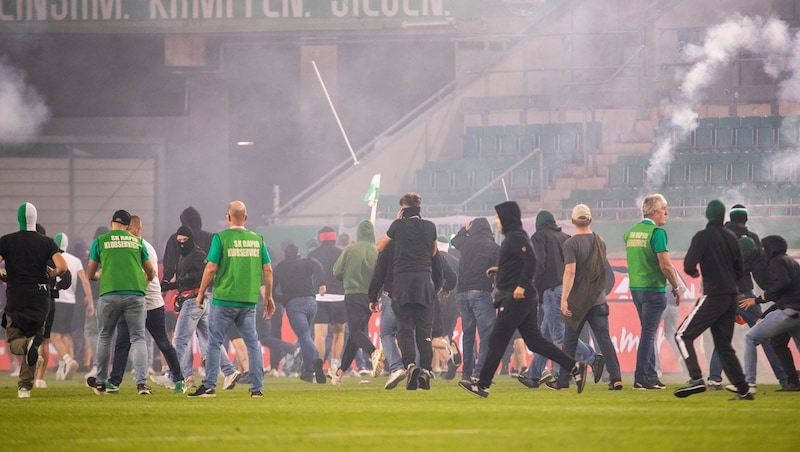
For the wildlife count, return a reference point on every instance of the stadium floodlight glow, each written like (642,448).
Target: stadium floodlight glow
(244,143)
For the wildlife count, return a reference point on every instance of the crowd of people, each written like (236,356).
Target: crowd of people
(545,292)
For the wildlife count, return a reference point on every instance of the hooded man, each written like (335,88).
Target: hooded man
(781,321)
(354,268)
(189,217)
(479,252)
(516,301)
(26,254)
(716,250)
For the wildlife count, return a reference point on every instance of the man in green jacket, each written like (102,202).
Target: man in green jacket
(354,268)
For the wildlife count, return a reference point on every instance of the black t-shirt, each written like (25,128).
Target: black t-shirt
(413,239)
(26,254)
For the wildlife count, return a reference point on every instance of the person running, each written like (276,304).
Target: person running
(516,303)
(26,254)
(237,262)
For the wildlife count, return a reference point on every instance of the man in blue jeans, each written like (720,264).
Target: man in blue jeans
(649,270)
(237,261)
(379,295)
(479,252)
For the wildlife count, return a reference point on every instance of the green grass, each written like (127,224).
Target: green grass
(294,415)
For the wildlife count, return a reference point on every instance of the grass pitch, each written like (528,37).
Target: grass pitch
(294,415)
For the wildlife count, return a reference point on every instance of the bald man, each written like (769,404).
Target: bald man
(237,260)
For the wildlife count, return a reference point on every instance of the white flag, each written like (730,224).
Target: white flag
(374,188)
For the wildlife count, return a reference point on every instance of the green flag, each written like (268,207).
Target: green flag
(374,188)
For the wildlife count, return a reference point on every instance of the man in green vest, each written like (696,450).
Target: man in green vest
(122,257)
(236,262)
(649,271)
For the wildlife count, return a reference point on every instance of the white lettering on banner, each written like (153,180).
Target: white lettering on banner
(60,10)
(289,8)
(627,341)
(388,8)
(195,9)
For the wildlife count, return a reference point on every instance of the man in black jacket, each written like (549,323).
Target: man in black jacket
(479,252)
(716,250)
(516,301)
(782,320)
(172,251)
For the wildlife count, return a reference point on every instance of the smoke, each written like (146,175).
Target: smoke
(22,109)
(722,44)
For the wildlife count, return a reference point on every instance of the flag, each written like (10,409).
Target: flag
(374,188)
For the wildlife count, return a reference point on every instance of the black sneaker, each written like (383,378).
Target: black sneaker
(528,382)
(746,396)
(256,394)
(474,388)
(690,388)
(579,374)
(412,377)
(552,385)
(97,388)
(319,374)
(598,366)
(615,386)
(424,382)
(308,377)
(640,385)
(658,384)
(144,389)
(202,391)
(451,371)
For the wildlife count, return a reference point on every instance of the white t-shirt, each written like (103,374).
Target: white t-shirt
(152,294)
(74,265)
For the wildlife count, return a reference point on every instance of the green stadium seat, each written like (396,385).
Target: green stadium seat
(725,132)
(489,145)
(704,134)
(509,144)
(470,146)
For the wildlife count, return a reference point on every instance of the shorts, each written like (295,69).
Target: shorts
(331,312)
(62,322)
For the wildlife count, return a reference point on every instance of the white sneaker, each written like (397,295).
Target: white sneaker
(70,369)
(163,380)
(377,358)
(15,372)
(276,373)
(60,370)
(23,393)
(230,380)
(395,378)
(92,372)
(332,372)
(336,379)
(41,384)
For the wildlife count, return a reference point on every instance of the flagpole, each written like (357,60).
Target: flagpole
(373,214)
(335,115)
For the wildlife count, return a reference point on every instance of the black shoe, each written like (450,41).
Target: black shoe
(412,378)
(451,371)
(474,388)
(31,351)
(319,374)
(144,390)
(690,388)
(424,381)
(243,377)
(746,396)
(789,387)
(579,374)
(256,394)
(615,386)
(528,382)
(598,366)
(658,384)
(308,377)
(643,385)
(97,388)
(202,391)
(553,385)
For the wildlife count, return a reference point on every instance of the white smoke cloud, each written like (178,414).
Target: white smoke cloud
(721,46)
(22,109)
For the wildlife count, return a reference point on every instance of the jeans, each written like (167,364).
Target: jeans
(109,310)
(388,335)
(777,322)
(553,330)
(477,312)
(300,312)
(649,305)
(750,316)
(219,319)
(193,319)
(156,326)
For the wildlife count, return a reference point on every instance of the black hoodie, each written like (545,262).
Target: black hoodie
(172,251)
(784,284)
(517,263)
(717,251)
(478,252)
(548,247)
(745,283)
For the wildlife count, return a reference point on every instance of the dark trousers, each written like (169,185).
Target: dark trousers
(597,318)
(717,312)
(519,315)
(414,329)
(157,327)
(780,345)
(358,315)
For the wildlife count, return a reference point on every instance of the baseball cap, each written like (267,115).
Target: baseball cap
(122,217)
(581,211)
